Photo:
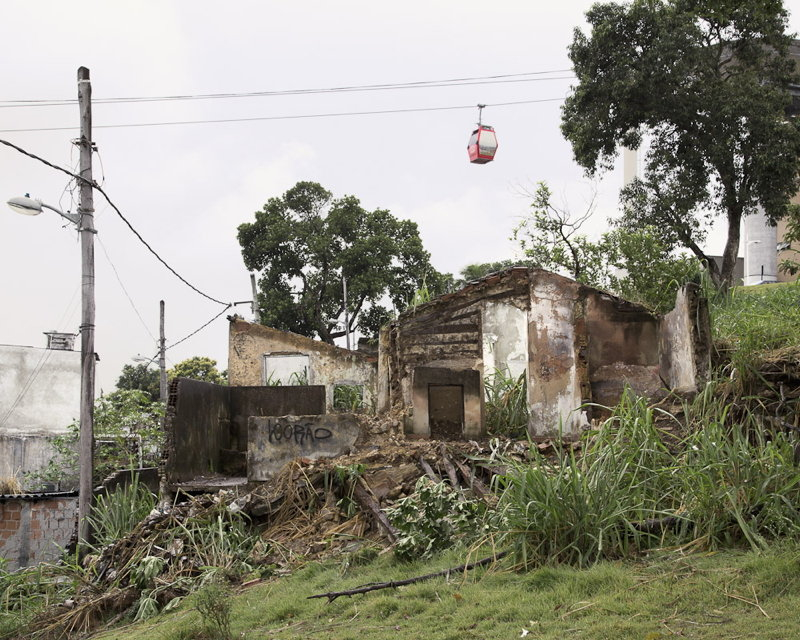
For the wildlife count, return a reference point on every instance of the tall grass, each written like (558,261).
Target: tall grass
(578,510)
(739,481)
(750,322)
(115,514)
(506,403)
(727,483)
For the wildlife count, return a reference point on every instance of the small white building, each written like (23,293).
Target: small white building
(39,398)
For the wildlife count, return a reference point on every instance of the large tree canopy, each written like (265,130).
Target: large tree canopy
(706,83)
(304,242)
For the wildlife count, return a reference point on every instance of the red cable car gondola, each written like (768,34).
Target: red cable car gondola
(482,143)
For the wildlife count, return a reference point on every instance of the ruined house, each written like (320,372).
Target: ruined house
(577,346)
(259,355)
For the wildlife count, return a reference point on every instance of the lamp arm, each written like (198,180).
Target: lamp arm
(73,218)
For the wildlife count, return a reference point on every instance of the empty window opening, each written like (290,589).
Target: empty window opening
(348,397)
(286,369)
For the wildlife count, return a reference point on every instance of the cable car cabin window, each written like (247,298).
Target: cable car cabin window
(473,139)
(487,143)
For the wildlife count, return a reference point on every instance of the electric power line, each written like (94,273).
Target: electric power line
(420,84)
(198,330)
(153,251)
(99,189)
(124,290)
(284,117)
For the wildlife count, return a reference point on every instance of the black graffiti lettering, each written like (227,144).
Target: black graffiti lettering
(300,434)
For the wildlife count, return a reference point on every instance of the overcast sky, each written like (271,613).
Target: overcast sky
(187,187)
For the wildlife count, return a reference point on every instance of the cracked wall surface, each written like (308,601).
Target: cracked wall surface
(578,347)
(328,365)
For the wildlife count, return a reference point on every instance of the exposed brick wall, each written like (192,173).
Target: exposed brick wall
(35,529)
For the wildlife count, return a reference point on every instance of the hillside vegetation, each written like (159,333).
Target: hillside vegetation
(675,519)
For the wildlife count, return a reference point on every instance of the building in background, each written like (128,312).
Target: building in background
(39,398)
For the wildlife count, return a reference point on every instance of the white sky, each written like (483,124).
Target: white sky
(187,188)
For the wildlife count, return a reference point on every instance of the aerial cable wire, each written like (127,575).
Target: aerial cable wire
(198,330)
(99,189)
(284,117)
(422,84)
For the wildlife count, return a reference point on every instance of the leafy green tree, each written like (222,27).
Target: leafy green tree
(705,82)
(550,239)
(304,242)
(639,265)
(140,377)
(198,368)
(647,270)
(128,433)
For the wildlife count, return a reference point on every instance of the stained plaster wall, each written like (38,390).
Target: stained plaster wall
(328,365)
(576,344)
(556,365)
(449,335)
(39,398)
(623,349)
(685,341)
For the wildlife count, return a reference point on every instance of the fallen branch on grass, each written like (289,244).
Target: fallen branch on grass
(374,586)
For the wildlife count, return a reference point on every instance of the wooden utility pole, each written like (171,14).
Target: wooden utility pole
(87,231)
(162,362)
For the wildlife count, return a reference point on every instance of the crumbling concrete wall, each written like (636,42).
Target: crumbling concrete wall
(443,343)
(274,441)
(39,398)
(578,346)
(35,528)
(556,366)
(328,365)
(197,429)
(270,401)
(623,349)
(206,425)
(685,341)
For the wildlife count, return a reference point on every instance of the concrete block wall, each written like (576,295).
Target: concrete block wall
(35,529)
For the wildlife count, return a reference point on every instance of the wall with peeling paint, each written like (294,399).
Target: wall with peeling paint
(576,344)
(328,365)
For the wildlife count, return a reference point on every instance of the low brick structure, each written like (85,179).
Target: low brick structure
(36,527)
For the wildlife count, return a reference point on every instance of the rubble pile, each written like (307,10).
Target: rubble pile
(312,509)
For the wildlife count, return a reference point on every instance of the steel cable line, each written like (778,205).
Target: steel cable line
(120,214)
(284,117)
(198,330)
(422,84)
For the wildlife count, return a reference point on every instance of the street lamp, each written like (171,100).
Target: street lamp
(32,207)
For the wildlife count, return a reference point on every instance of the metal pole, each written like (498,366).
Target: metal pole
(87,231)
(162,361)
(346,318)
